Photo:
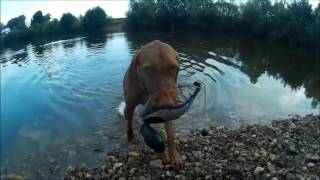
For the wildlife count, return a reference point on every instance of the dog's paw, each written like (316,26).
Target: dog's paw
(175,158)
(164,158)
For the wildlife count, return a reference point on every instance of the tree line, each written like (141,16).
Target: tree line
(41,25)
(293,22)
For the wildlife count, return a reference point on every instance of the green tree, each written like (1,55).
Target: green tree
(17,23)
(69,23)
(39,19)
(256,17)
(95,19)
(280,17)
(300,20)
(51,27)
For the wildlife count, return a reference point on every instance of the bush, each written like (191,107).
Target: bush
(294,23)
(38,19)
(17,23)
(69,23)
(51,27)
(95,19)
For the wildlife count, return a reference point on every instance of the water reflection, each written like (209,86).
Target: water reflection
(96,44)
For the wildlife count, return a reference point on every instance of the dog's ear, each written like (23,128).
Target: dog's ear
(177,56)
(135,59)
(178,61)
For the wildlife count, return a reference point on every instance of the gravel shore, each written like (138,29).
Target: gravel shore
(284,149)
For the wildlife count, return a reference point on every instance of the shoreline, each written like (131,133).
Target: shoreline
(283,149)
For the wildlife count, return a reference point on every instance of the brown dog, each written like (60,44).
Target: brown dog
(153,74)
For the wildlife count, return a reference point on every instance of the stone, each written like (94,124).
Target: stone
(148,176)
(142,178)
(197,170)
(168,174)
(290,176)
(184,157)
(272,157)
(122,178)
(197,154)
(312,177)
(271,169)
(312,158)
(133,170)
(204,132)
(311,165)
(117,165)
(88,175)
(258,170)
(304,168)
(156,163)
(207,177)
(70,169)
(134,154)
(292,149)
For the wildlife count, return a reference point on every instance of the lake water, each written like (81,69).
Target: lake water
(59,99)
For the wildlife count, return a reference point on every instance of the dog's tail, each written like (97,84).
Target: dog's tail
(120,108)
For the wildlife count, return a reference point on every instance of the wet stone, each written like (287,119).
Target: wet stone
(258,170)
(156,163)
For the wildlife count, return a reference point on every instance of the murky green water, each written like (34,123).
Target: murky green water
(59,99)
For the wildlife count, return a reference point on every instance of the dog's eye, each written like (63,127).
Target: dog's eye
(172,67)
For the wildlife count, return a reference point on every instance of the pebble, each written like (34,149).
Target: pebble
(156,163)
(304,168)
(197,154)
(122,178)
(133,170)
(312,158)
(204,132)
(134,154)
(313,177)
(184,157)
(168,174)
(292,149)
(117,165)
(197,170)
(70,168)
(272,157)
(258,170)
(88,175)
(290,176)
(311,165)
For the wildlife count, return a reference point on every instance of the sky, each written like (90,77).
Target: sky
(114,8)
(14,8)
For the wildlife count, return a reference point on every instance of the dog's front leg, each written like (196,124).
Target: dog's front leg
(174,155)
(128,112)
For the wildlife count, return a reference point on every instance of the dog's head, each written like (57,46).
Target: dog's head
(157,67)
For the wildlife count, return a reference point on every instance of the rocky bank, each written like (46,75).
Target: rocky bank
(284,149)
